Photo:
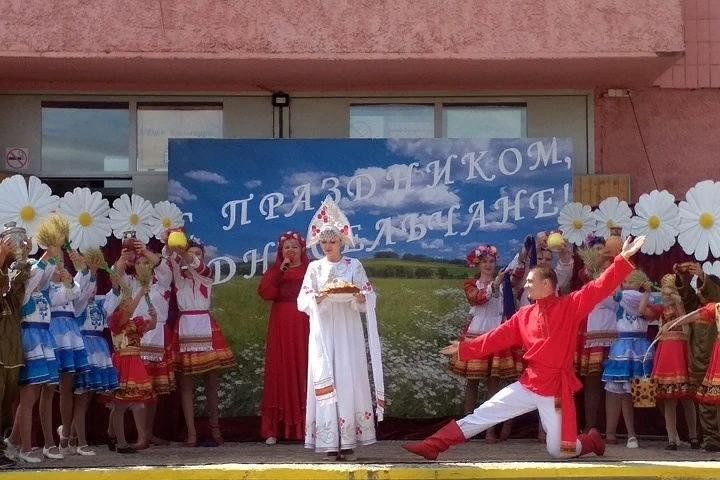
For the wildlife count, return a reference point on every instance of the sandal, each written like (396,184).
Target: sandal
(85,451)
(191,441)
(505,431)
(28,457)
(158,442)
(216,435)
(49,453)
(64,446)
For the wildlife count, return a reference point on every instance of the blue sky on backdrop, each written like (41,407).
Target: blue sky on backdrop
(206,174)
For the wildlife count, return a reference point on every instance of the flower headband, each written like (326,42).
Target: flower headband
(194,241)
(479,253)
(592,240)
(290,235)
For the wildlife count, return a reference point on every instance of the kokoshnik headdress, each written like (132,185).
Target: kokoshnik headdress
(329,218)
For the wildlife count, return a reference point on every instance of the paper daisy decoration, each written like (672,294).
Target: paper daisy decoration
(132,214)
(26,203)
(576,221)
(612,213)
(167,215)
(712,268)
(87,213)
(657,217)
(700,220)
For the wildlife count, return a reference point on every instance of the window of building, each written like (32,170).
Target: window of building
(85,138)
(484,121)
(392,121)
(157,122)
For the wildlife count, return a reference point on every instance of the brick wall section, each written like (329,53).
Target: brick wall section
(700,67)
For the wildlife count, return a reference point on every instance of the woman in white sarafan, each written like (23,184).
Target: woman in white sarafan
(339,413)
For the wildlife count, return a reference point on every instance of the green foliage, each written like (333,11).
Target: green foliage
(416,317)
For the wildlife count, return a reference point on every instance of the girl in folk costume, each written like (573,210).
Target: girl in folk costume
(41,366)
(134,384)
(709,391)
(339,411)
(69,350)
(200,347)
(484,293)
(599,331)
(286,352)
(91,312)
(670,371)
(630,354)
(138,267)
(14,274)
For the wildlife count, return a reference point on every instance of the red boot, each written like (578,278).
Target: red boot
(591,442)
(438,442)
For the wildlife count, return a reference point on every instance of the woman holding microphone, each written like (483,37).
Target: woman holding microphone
(286,349)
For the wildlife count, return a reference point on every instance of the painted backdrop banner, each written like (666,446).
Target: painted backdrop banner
(416,208)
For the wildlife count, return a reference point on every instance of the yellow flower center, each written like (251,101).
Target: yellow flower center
(85,219)
(27,214)
(166,222)
(610,224)
(134,219)
(577,224)
(706,221)
(654,222)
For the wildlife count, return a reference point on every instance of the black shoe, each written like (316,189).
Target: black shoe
(671,446)
(695,444)
(125,450)
(112,443)
(5,462)
(711,447)
(347,451)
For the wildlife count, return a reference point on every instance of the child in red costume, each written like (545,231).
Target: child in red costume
(135,386)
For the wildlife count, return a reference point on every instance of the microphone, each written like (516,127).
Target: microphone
(286,263)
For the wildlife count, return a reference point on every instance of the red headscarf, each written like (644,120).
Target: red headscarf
(291,235)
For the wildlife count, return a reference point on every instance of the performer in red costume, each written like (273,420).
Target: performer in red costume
(547,331)
(286,351)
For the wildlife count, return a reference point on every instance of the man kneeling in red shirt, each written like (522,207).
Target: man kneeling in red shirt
(547,331)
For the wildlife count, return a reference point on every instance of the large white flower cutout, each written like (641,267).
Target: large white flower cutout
(712,268)
(576,222)
(612,213)
(700,220)
(132,214)
(657,217)
(87,212)
(167,215)
(26,203)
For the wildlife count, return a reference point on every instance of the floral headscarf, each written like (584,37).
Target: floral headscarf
(592,240)
(479,253)
(291,235)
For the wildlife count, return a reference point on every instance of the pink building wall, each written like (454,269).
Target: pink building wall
(678,119)
(300,44)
